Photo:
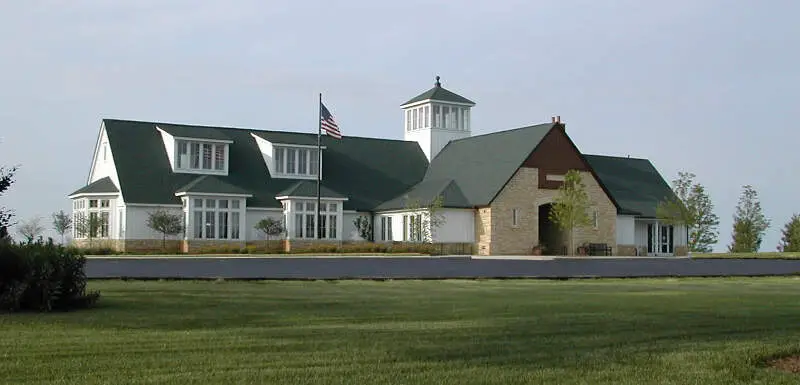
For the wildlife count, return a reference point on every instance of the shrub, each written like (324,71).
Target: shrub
(42,277)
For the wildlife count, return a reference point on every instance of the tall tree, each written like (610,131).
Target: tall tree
(749,223)
(570,210)
(693,208)
(6,215)
(270,227)
(165,223)
(30,229)
(790,235)
(62,222)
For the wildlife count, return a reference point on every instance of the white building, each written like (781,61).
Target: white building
(495,189)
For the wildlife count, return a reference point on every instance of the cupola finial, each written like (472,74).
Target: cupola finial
(438,84)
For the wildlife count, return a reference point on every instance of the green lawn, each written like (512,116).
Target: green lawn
(668,331)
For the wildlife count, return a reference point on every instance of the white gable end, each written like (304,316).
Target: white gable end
(103,161)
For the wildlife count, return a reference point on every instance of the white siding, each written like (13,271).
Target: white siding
(350,232)
(103,166)
(169,146)
(136,222)
(458,226)
(265,147)
(626,230)
(423,137)
(440,138)
(641,234)
(254,216)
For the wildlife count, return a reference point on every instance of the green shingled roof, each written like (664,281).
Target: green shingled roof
(307,188)
(481,165)
(212,184)
(426,192)
(100,186)
(365,170)
(634,184)
(441,94)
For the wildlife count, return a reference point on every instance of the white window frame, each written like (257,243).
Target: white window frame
(184,165)
(235,205)
(409,221)
(82,209)
(297,211)
(280,170)
(386,228)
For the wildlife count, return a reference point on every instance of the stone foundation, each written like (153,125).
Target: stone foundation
(212,246)
(625,250)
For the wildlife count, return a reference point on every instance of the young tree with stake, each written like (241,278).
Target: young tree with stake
(570,210)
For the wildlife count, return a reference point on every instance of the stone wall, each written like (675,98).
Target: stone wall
(483,231)
(522,192)
(212,245)
(626,250)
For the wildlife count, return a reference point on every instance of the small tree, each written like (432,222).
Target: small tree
(570,208)
(62,223)
(30,229)
(270,227)
(693,208)
(790,238)
(749,223)
(6,215)
(430,217)
(364,227)
(165,223)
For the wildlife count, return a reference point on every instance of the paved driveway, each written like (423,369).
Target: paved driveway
(441,267)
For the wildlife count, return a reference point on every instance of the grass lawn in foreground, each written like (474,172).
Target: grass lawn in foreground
(759,255)
(664,331)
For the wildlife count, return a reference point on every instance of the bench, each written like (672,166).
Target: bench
(599,249)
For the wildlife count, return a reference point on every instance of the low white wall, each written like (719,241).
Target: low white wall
(626,230)
(136,222)
(252,217)
(458,226)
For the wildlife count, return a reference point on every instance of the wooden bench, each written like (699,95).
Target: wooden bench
(599,249)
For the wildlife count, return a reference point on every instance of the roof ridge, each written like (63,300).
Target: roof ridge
(617,157)
(257,130)
(502,132)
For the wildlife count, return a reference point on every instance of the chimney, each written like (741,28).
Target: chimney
(558,119)
(553,119)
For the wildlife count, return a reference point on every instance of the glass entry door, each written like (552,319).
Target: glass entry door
(660,239)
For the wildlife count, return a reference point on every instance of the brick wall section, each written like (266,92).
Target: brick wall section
(483,231)
(522,192)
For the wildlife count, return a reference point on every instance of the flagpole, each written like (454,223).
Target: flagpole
(319,162)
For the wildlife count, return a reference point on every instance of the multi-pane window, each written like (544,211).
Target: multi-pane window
(200,156)
(296,161)
(412,227)
(91,218)
(216,218)
(304,225)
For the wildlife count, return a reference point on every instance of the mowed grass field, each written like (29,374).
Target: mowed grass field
(659,331)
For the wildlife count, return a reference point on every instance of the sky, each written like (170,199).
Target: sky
(708,87)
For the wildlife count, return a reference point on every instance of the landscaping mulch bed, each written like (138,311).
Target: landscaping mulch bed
(788,364)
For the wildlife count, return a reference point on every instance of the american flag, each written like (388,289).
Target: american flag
(327,123)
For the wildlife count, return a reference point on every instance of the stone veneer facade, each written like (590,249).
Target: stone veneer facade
(496,235)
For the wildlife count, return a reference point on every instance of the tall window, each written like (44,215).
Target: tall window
(91,217)
(304,224)
(426,122)
(436,117)
(416,117)
(386,228)
(408,120)
(216,218)
(200,156)
(296,161)
(515,217)
(412,227)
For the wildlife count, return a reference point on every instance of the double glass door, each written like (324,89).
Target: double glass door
(660,239)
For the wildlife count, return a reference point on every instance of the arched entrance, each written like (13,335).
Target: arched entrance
(549,234)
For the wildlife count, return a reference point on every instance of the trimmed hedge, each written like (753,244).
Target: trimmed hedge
(42,277)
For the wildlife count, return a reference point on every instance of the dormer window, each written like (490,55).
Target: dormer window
(295,162)
(198,156)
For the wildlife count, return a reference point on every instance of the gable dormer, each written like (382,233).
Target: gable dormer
(196,155)
(290,160)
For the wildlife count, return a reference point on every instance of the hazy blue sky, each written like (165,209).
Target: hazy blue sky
(710,87)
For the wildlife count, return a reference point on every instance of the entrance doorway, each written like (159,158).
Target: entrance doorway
(549,235)
(660,239)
